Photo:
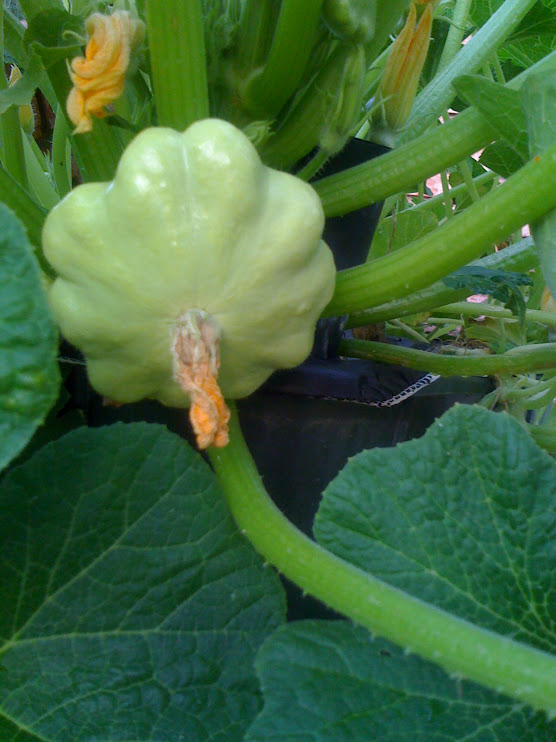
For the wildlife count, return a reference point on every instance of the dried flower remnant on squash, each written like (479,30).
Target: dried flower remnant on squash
(196,363)
(99,77)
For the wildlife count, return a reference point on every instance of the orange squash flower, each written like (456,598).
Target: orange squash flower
(99,78)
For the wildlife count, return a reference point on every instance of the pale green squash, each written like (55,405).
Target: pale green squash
(192,221)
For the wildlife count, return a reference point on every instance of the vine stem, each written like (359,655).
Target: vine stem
(520,257)
(456,33)
(458,646)
(291,48)
(525,197)
(521,360)
(178,61)
(470,309)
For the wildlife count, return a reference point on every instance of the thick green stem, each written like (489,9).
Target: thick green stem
(253,41)
(467,175)
(521,257)
(521,360)
(438,94)
(400,169)
(178,61)
(523,198)
(292,44)
(458,30)
(458,646)
(429,154)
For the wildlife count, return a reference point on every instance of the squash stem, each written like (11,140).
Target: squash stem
(525,197)
(253,36)
(484,309)
(458,30)
(521,360)
(458,646)
(178,61)
(291,48)
(520,257)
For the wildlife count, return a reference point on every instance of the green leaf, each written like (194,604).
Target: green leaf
(501,106)
(534,38)
(132,607)
(539,103)
(400,229)
(22,92)
(504,286)
(501,158)
(465,518)
(328,681)
(29,376)
(52,35)
(32,8)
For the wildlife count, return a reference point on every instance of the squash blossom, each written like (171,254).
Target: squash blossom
(98,78)
(26,114)
(400,78)
(193,275)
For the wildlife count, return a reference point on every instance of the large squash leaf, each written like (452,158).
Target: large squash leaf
(464,518)
(329,681)
(131,605)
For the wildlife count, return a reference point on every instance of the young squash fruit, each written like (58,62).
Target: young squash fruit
(196,261)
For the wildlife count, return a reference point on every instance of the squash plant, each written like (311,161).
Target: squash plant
(161,229)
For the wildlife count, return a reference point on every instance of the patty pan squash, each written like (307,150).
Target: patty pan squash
(196,261)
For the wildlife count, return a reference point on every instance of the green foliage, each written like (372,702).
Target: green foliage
(131,605)
(399,229)
(502,158)
(534,38)
(330,682)
(29,378)
(472,533)
(501,107)
(464,518)
(501,285)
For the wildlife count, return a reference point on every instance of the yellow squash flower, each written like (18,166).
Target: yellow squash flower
(403,69)
(99,78)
